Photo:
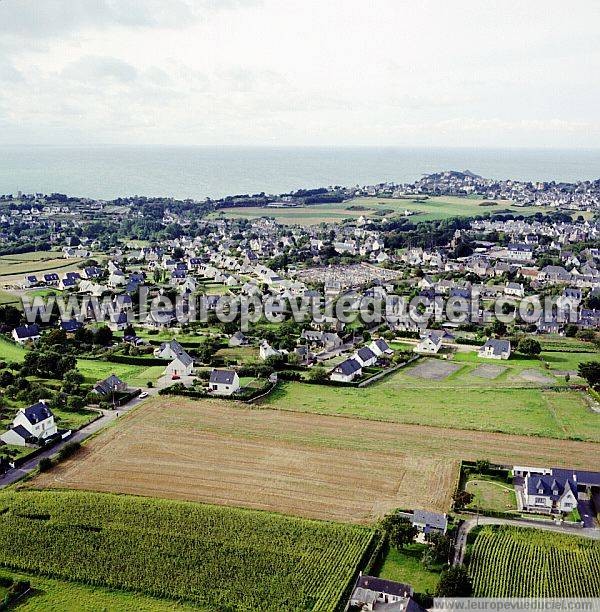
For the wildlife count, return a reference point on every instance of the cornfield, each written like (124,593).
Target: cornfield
(514,562)
(217,557)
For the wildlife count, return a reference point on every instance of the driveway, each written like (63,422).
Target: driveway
(465,528)
(586,511)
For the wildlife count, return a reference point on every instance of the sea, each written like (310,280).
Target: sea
(107,172)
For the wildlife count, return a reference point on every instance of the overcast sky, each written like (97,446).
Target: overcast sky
(300,72)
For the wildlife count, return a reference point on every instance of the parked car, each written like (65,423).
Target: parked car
(143,395)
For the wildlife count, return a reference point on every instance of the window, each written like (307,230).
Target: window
(540,501)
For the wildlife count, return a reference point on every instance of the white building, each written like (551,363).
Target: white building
(223,382)
(36,421)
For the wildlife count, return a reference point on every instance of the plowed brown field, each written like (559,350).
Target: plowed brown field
(305,464)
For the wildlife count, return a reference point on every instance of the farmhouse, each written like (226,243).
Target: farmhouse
(26,333)
(346,371)
(372,593)
(36,421)
(111,384)
(495,349)
(182,365)
(223,382)
(428,522)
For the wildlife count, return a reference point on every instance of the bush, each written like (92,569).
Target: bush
(45,464)
(68,449)
(149,384)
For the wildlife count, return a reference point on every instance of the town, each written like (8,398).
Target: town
(428,443)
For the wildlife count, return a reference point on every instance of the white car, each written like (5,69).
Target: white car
(143,395)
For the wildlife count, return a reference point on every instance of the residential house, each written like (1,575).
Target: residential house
(381,348)
(429,522)
(26,333)
(370,593)
(365,356)
(111,384)
(36,421)
(430,343)
(169,350)
(266,350)
(182,365)
(238,339)
(495,349)
(223,382)
(346,371)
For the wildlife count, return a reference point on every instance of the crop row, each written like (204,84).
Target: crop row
(512,562)
(220,557)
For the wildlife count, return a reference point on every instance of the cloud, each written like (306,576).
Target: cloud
(92,68)
(55,18)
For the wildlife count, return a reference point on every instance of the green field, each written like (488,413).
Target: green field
(223,558)
(136,375)
(52,594)
(10,351)
(460,401)
(442,207)
(513,562)
(405,566)
(490,494)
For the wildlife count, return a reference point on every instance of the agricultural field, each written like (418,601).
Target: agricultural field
(433,208)
(417,395)
(310,465)
(222,558)
(52,594)
(513,562)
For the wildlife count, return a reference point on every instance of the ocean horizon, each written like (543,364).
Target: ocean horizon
(197,172)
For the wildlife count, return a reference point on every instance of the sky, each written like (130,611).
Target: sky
(300,72)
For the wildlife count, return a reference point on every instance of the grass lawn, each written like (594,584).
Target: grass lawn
(68,419)
(136,375)
(529,411)
(9,351)
(51,594)
(405,566)
(491,494)
(242,354)
(568,360)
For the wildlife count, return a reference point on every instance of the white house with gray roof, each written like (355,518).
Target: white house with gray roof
(36,421)
(223,382)
(495,349)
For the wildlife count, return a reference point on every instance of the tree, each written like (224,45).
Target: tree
(399,530)
(439,550)
(72,381)
(462,499)
(482,466)
(590,370)
(317,373)
(529,346)
(103,336)
(454,582)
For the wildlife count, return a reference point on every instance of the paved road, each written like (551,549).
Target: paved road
(108,416)
(465,528)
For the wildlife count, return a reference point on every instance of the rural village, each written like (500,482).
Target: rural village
(392,459)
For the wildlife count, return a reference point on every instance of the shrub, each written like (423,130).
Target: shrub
(45,464)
